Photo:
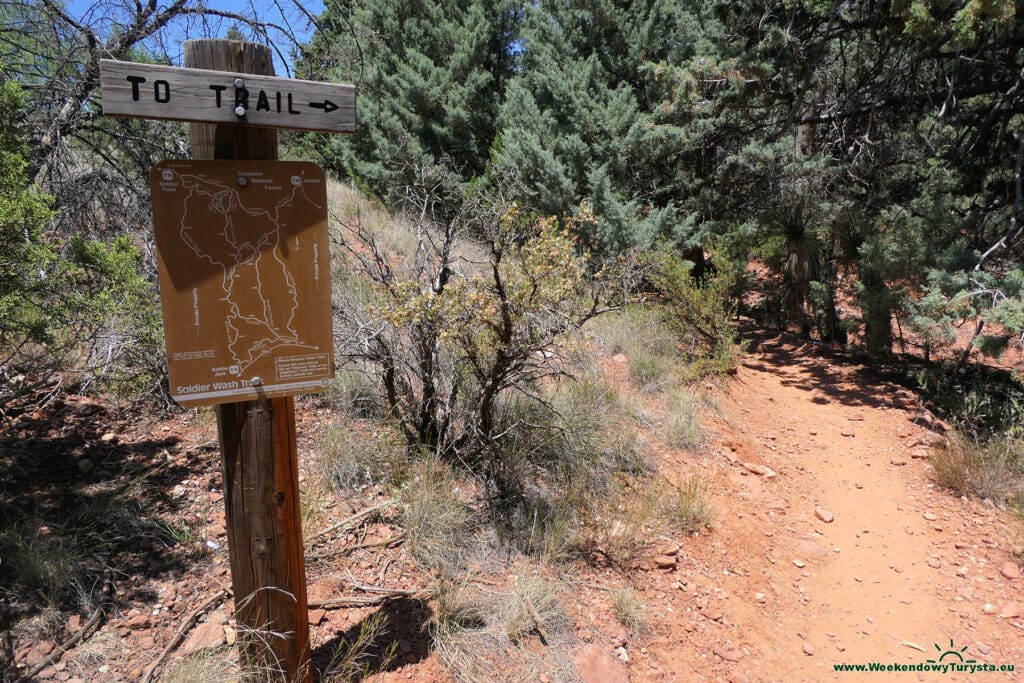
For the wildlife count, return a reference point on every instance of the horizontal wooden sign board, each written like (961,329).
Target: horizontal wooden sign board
(154,91)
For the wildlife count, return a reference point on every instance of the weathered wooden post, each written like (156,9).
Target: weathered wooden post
(257,441)
(251,298)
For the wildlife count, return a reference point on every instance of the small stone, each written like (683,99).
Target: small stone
(138,621)
(620,358)
(622,655)
(824,514)
(670,548)
(960,545)
(848,432)
(1010,570)
(989,608)
(930,516)
(761,470)
(934,562)
(713,613)
(665,561)
(109,437)
(594,665)
(984,648)
(962,571)
(840,647)
(808,649)
(690,626)
(74,623)
(728,654)
(230,635)
(899,462)
(920,454)
(799,564)
(209,634)
(1010,610)
(316,616)
(759,597)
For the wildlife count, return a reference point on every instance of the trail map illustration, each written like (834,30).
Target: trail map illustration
(245,286)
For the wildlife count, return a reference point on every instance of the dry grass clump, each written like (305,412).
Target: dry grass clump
(625,524)
(993,470)
(628,609)
(648,344)
(363,657)
(483,635)
(682,427)
(438,526)
(356,392)
(353,456)
(218,664)
(687,506)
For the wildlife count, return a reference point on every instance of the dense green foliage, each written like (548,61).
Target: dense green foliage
(64,305)
(430,76)
(873,144)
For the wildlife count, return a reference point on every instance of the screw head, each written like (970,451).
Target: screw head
(239,110)
(257,381)
(239,83)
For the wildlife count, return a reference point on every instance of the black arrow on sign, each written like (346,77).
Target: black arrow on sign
(326,105)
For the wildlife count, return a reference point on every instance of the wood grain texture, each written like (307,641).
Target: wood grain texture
(154,91)
(257,444)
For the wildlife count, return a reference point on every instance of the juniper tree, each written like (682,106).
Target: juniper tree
(430,76)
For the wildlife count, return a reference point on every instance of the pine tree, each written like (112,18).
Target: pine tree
(430,77)
(577,124)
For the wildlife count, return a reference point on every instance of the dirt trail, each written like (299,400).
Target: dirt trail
(778,594)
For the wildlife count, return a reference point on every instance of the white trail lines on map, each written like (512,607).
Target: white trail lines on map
(255,332)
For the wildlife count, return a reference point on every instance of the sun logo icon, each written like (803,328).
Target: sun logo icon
(951,652)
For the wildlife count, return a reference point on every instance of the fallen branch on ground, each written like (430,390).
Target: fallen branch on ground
(537,620)
(348,520)
(58,652)
(182,630)
(352,548)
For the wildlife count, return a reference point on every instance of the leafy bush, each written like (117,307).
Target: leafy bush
(488,303)
(86,307)
(699,312)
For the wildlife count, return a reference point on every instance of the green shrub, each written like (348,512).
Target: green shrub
(699,313)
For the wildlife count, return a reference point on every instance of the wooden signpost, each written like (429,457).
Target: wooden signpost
(229,91)
(155,91)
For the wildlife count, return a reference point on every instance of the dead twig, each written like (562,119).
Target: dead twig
(348,520)
(351,549)
(536,620)
(378,589)
(182,630)
(335,603)
(58,652)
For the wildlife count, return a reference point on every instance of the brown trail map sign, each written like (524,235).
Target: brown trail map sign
(245,283)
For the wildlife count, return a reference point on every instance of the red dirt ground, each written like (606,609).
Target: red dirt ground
(903,573)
